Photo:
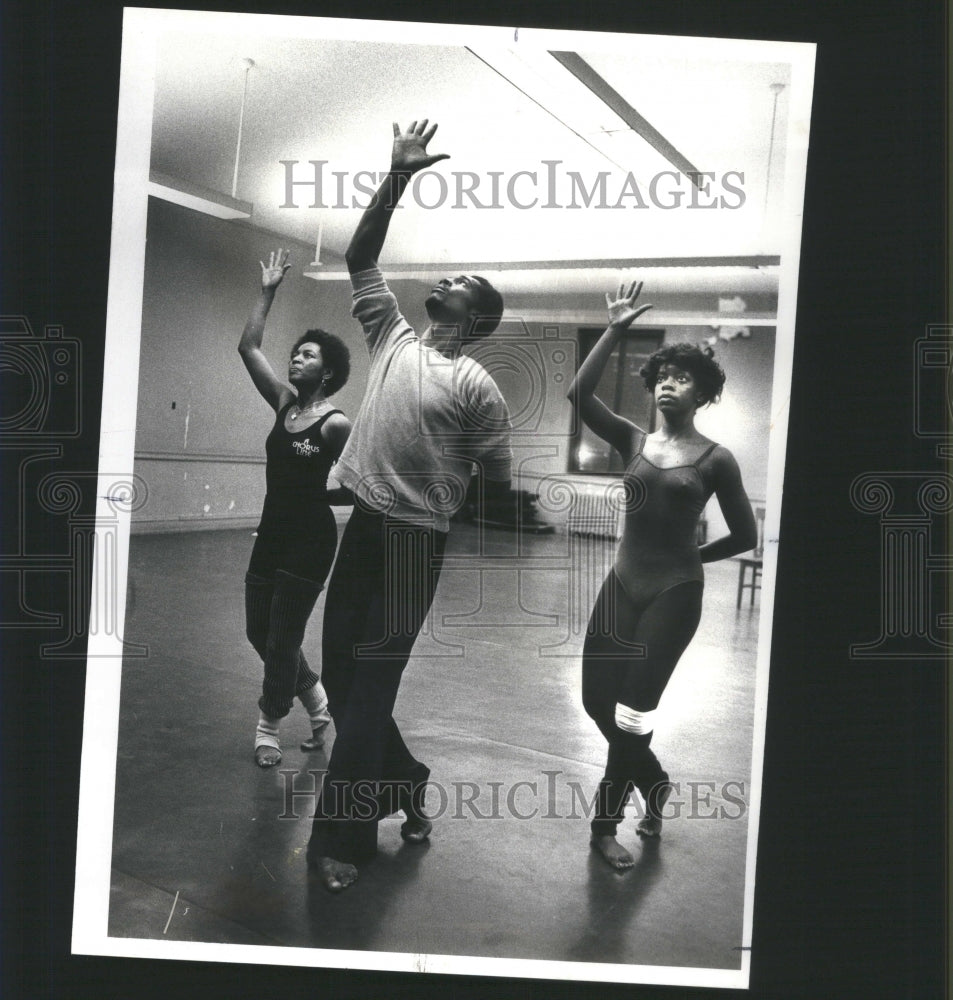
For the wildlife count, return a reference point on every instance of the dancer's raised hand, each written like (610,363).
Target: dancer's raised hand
(622,309)
(409,153)
(274,271)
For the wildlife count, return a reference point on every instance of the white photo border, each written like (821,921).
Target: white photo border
(142,30)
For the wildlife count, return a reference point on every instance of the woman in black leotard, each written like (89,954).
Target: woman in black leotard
(649,606)
(297,535)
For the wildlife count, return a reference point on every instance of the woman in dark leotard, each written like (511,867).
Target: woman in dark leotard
(297,535)
(650,604)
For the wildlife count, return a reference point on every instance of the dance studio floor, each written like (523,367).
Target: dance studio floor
(491,699)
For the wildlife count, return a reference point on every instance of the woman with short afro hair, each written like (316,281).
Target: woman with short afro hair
(649,606)
(297,536)
(700,364)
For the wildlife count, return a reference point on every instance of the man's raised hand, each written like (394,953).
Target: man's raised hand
(409,153)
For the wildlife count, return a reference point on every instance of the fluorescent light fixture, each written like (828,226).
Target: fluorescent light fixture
(709,275)
(752,262)
(594,317)
(198,198)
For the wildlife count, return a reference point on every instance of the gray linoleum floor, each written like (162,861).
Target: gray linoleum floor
(491,699)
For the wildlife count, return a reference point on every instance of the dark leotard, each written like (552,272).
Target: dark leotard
(659,547)
(297,532)
(644,618)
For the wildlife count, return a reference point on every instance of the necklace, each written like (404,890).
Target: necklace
(297,411)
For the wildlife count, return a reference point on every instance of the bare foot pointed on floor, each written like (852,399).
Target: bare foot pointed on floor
(316,741)
(613,852)
(650,825)
(416,829)
(335,876)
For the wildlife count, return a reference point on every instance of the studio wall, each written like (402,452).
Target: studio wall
(201,425)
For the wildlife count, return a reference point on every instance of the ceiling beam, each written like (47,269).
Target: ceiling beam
(585,74)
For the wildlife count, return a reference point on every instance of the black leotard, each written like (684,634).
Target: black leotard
(297,532)
(659,547)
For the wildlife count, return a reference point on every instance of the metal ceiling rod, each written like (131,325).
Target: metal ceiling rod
(249,64)
(777,88)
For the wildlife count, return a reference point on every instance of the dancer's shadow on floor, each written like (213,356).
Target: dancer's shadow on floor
(613,899)
(353,919)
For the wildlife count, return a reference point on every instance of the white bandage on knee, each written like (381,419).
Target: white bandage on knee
(266,735)
(641,723)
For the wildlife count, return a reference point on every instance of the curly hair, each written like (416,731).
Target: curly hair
(334,354)
(699,362)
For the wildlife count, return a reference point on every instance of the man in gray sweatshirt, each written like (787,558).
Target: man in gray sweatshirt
(430,414)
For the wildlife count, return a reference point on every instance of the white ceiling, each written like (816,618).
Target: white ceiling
(334,100)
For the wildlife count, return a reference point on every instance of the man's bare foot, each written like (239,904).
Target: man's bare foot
(336,876)
(266,756)
(650,825)
(612,851)
(416,829)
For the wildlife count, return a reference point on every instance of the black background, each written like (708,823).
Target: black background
(851,875)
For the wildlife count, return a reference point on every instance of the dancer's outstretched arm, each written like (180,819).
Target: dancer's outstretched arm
(613,429)
(408,155)
(274,391)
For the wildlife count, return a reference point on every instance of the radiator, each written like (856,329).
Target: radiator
(599,515)
(593,513)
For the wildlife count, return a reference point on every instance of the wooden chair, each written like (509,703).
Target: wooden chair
(752,561)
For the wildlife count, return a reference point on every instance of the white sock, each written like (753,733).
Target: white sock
(266,735)
(315,702)
(641,723)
